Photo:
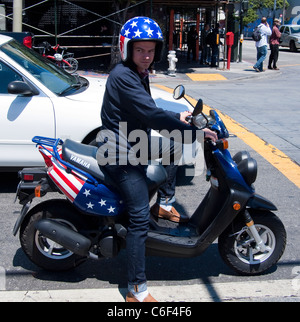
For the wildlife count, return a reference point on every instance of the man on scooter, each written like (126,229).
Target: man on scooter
(128,101)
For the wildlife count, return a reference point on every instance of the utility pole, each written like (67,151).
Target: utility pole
(17,15)
(274,11)
(243,9)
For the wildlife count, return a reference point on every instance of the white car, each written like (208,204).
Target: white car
(290,37)
(39,98)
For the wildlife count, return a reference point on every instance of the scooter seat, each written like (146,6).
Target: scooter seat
(83,157)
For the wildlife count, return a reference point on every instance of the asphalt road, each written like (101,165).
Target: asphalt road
(267,106)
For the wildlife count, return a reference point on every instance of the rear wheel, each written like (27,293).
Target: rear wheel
(239,250)
(43,251)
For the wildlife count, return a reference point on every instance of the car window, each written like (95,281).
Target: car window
(287,30)
(52,76)
(281,29)
(295,30)
(7,75)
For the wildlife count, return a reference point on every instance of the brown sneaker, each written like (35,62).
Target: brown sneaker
(130,298)
(172,215)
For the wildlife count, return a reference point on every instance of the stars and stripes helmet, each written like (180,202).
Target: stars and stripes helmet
(140,29)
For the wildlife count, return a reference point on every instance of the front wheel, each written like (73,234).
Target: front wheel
(238,247)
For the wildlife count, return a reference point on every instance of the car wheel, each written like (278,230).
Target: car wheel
(293,47)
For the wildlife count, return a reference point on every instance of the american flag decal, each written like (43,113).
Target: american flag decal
(95,200)
(98,200)
(69,183)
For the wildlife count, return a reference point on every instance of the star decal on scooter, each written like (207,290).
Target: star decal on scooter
(90,205)
(87,192)
(111,209)
(102,202)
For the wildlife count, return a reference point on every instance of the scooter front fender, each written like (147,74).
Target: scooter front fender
(259,202)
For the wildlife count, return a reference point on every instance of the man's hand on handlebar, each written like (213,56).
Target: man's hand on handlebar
(185,116)
(209,134)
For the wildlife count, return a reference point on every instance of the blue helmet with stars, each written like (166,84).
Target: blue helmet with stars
(140,29)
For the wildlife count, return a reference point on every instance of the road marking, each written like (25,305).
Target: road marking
(212,292)
(294,65)
(277,158)
(206,77)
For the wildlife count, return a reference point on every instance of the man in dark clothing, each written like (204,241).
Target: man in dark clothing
(129,109)
(205,54)
(274,45)
(192,37)
(213,41)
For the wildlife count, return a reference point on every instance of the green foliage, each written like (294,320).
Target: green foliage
(256,8)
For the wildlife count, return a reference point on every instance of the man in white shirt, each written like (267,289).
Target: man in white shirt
(262,44)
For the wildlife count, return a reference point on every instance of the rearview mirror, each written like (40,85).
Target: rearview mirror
(178,92)
(21,88)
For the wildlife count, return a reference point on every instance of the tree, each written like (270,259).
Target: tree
(257,7)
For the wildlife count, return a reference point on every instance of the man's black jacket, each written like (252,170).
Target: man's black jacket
(127,99)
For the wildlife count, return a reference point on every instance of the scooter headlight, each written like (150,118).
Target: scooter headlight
(248,169)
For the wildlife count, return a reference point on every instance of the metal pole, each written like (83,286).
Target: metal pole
(274,11)
(17,16)
(283,12)
(171,29)
(55,21)
(241,33)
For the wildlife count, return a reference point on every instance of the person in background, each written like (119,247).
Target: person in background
(213,41)
(274,45)
(192,37)
(204,46)
(262,44)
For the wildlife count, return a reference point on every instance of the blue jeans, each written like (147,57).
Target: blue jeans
(131,181)
(261,56)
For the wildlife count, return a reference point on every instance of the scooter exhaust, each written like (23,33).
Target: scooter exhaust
(64,236)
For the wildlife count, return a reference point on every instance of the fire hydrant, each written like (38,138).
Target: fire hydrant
(172,63)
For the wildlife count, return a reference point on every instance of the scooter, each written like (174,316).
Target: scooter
(90,220)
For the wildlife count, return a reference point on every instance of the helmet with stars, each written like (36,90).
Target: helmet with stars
(140,29)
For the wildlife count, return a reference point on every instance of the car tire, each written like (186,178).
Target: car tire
(293,47)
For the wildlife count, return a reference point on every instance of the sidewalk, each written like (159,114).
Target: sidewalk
(195,72)
(286,290)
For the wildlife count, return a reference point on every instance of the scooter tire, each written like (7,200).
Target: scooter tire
(37,247)
(237,247)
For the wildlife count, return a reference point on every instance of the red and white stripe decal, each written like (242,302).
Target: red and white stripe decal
(69,183)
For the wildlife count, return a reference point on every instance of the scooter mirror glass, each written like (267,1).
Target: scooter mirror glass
(179,92)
